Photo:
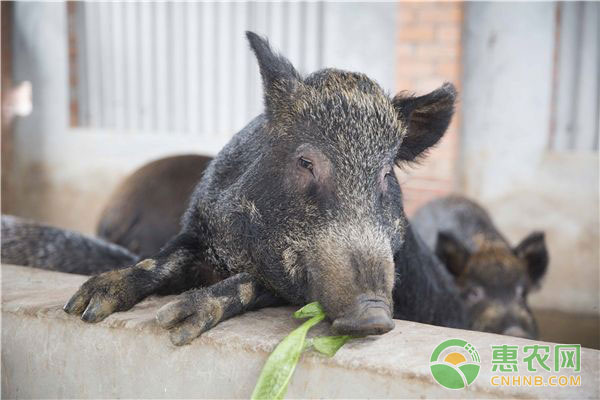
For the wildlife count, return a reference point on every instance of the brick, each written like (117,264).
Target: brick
(417,33)
(443,12)
(407,14)
(429,83)
(435,52)
(415,69)
(424,62)
(405,84)
(448,70)
(406,50)
(448,34)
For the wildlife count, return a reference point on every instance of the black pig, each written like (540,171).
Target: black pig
(494,278)
(301,205)
(144,211)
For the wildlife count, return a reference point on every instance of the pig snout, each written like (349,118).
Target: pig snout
(369,317)
(510,319)
(352,275)
(518,332)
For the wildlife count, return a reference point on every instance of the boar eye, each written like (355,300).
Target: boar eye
(306,164)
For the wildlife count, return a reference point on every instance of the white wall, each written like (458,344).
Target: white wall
(505,162)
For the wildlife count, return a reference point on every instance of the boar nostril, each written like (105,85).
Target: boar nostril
(371,321)
(518,332)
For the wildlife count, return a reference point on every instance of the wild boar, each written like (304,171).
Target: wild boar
(301,205)
(494,278)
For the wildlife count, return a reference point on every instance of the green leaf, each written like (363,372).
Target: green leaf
(277,372)
(329,345)
(310,310)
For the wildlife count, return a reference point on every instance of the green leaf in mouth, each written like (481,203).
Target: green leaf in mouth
(277,372)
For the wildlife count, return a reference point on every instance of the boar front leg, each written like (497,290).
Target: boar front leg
(177,267)
(198,310)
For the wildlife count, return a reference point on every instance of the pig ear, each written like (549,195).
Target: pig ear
(279,76)
(452,253)
(533,251)
(426,117)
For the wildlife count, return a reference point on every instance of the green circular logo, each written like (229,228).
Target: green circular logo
(455,364)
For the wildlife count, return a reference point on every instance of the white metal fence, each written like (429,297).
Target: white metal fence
(181,67)
(576,110)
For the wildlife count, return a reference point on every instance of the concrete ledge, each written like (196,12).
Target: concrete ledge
(46,353)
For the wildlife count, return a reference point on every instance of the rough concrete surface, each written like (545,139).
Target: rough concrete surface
(47,353)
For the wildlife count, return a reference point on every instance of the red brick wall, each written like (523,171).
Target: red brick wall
(428,54)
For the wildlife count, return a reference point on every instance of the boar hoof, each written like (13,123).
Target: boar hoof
(101,296)
(189,316)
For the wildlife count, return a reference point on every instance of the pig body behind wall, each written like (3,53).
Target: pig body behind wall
(145,210)
(493,277)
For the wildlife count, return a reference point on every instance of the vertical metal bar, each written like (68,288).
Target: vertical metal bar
(596,143)
(117,63)
(239,60)
(146,81)
(589,74)
(555,75)
(261,27)
(82,67)
(132,60)
(310,37)
(161,60)
(250,66)
(576,79)
(177,74)
(224,68)
(193,67)
(302,32)
(320,34)
(565,69)
(276,25)
(208,76)
(93,65)
(293,33)
(106,73)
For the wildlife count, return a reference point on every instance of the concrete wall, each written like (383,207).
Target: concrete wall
(505,161)
(49,354)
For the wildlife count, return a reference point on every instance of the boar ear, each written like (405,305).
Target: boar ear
(279,76)
(426,117)
(452,253)
(533,251)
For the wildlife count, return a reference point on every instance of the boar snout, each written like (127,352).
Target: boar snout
(351,273)
(370,316)
(518,332)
